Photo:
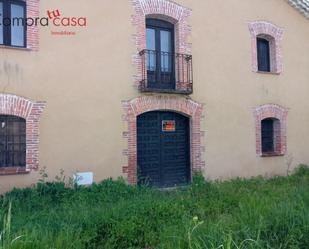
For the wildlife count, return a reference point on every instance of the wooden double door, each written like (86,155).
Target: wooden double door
(163,149)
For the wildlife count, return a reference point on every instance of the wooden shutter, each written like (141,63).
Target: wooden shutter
(263,53)
(267,135)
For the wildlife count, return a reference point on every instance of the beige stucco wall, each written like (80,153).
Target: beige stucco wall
(84,78)
(225,83)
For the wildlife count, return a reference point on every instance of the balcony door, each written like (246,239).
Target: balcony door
(160,54)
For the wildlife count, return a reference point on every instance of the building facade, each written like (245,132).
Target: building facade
(153,90)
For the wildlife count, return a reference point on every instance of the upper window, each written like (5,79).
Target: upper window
(266,47)
(13,26)
(160,50)
(164,62)
(12,141)
(164,69)
(263,54)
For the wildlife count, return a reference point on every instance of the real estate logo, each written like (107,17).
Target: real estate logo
(54,19)
(60,21)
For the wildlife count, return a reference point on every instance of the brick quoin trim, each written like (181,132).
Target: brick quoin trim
(31,112)
(273,34)
(33,11)
(140,105)
(280,114)
(164,10)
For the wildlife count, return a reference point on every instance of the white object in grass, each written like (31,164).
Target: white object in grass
(83,178)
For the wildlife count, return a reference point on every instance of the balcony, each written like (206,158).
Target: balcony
(166,72)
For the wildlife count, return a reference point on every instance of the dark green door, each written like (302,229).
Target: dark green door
(163,149)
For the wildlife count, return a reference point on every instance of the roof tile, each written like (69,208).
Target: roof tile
(301,5)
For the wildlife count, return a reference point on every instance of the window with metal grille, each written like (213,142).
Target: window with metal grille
(263,54)
(268,136)
(13,23)
(12,141)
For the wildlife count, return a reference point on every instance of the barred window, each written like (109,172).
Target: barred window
(271,136)
(12,141)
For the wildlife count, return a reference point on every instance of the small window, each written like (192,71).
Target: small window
(263,54)
(266,39)
(271,136)
(13,23)
(268,135)
(12,141)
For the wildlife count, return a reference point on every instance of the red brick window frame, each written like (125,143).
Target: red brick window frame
(272,33)
(279,115)
(33,11)
(30,111)
(140,105)
(164,10)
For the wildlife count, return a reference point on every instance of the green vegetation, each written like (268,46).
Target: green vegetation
(247,214)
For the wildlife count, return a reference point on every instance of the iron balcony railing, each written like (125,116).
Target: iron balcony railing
(167,72)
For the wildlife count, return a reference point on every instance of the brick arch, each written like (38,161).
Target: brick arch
(165,10)
(274,35)
(162,17)
(140,105)
(31,112)
(274,112)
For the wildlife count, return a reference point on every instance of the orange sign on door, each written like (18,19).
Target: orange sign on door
(168,125)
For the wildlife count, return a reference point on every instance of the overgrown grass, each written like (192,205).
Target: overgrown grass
(247,214)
